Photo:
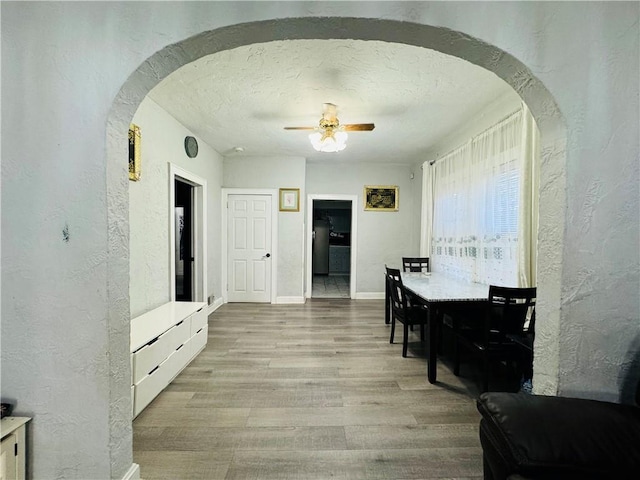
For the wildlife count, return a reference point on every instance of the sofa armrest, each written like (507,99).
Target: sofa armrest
(558,437)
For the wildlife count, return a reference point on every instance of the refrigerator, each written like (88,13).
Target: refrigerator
(320,264)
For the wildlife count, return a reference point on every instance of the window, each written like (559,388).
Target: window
(476,196)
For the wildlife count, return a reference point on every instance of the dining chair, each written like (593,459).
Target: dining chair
(507,316)
(524,342)
(415,264)
(402,311)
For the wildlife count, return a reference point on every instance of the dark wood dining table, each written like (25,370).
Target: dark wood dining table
(440,293)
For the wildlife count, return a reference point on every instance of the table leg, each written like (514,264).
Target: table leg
(432,363)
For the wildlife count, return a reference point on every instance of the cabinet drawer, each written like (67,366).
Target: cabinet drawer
(198,320)
(177,361)
(150,356)
(199,340)
(180,334)
(153,383)
(147,389)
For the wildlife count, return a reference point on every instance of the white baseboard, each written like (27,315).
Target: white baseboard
(369,295)
(133,473)
(289,300)
(217,303)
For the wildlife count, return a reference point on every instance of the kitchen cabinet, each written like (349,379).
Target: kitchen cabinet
(339,259)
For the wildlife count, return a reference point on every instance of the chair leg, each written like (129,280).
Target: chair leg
(456,357)
(485,374)
(405,340)
(393,328)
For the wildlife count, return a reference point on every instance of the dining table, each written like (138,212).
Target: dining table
(441,292)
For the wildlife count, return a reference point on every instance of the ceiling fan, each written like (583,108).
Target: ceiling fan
(329,135)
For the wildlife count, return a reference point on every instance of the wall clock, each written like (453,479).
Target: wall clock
(191,146)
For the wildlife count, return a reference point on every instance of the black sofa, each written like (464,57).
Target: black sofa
(552,438)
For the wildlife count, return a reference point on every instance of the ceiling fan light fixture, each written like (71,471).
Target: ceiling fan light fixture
(328,141)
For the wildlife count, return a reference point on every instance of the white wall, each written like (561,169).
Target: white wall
(268,173)
(163,143)
(477,123)
(383,237)
(66,107)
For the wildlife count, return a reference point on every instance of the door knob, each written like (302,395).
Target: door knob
(268,255)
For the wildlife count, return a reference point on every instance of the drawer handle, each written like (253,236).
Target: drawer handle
(152,371)
(199,330)
(179,323)
(179,347)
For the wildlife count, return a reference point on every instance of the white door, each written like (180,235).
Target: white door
(249,248)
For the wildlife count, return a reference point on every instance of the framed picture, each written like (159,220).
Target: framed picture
(289,199)
(134,152)
(381,198)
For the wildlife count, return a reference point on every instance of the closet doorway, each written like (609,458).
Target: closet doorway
(331,245)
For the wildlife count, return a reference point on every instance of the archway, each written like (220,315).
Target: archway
(505,66)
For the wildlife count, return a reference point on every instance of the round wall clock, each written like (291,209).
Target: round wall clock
(191,146)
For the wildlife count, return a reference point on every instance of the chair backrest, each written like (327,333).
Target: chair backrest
(510,309)
(396,288)
(415,264)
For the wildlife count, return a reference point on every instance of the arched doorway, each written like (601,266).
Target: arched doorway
(505,66)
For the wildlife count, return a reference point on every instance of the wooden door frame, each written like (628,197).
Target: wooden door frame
(274,236)
(309,245)
(199,231)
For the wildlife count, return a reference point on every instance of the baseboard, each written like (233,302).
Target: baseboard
(133,473)
(290,300)
(217,303)
(369,295)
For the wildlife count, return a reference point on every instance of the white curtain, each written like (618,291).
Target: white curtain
(473,206)
(426,223)
(528,221)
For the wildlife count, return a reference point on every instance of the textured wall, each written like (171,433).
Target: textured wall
(267,173)
(383,237)
(600,327)
(66,107)
(163,143)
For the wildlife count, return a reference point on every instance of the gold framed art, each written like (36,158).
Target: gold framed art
(289,199)
(134,152)
(381,198)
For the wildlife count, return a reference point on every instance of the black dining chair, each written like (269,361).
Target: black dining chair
(402,311)
(494,334)
(415,264)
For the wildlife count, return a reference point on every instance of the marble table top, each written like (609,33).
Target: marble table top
(438,287)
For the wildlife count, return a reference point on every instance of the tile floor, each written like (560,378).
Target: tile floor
(330,286)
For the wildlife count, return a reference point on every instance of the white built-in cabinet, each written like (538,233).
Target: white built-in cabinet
(163,343)
(13,448)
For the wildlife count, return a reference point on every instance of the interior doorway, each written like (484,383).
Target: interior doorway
(183,242)
(187,235)
(331,246)
(249,239)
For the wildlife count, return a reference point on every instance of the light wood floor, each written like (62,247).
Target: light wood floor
(305,392)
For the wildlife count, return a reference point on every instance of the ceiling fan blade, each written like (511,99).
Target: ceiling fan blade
(359,127)
(300,128)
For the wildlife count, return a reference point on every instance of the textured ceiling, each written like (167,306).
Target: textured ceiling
(246,96)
